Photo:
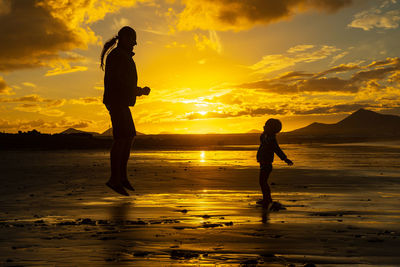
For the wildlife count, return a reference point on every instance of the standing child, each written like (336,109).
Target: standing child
(265,156)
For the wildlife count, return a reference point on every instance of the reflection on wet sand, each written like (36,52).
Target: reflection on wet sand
(195,208)
(115,247)
(223,206)
(226,226)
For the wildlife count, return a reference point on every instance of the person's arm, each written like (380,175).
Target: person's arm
(280,153)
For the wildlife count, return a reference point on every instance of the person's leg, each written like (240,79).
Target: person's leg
(129,132)
(117,150)
(124,163)
(265,189)
(116,158)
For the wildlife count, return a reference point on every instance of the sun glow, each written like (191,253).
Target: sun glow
(202,112)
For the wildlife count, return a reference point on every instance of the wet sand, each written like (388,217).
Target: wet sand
(56,211)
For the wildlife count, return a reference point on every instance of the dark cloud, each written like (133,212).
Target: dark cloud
(340,68)
(264,11)
(295,75)
(307,85)
(305,82)
(32,36)
(256,112)
(327,85)
(4,89)
(395,77)
(343,108)
(376,74)
(239,14)
(34,32)
(273,86)
(388,61)
(283,110)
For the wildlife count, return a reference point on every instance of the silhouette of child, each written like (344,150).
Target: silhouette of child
(265,156)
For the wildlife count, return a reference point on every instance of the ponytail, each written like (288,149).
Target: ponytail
(107,46)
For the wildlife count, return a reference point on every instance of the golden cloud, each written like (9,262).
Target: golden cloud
(87,101)
(212,41)
(34,98)
(376,18)
(64,69)
(37,104)
(15,125)
(226,99)
(28,84)
(293,56)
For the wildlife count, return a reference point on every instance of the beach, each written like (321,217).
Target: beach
(198,207)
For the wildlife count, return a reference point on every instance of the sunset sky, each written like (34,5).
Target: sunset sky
(214,66)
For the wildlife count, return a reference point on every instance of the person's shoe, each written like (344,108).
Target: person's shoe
(118,189)
(127,185)
(276,206)
(264,203)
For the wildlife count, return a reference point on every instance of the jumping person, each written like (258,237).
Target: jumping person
(120,91)
(265,156)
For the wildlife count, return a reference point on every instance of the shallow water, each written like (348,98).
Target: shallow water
(371,160)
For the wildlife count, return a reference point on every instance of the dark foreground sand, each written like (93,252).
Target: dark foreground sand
(56,211)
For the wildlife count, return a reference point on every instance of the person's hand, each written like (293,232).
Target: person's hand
(289,162)
(146,90)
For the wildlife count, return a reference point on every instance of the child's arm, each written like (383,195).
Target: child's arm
(280,153)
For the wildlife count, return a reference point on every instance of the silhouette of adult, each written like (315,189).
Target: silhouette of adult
(120,91)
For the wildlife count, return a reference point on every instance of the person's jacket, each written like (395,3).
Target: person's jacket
(268,147)
(120,79)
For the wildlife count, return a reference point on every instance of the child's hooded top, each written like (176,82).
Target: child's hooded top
(268,147)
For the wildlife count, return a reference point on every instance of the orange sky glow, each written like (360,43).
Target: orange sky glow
(222,66)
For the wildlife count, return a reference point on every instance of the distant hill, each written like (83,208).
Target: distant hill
(76,131)
(108,132)
(165,132)
(362,123)
(255,131)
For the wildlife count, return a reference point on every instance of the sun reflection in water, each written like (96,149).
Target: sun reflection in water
(202,156)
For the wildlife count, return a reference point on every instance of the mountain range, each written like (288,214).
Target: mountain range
(362,123)
(361,126)
(107,132)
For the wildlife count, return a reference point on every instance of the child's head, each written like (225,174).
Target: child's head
(272,126)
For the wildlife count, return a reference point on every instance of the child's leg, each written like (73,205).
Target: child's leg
(265,170)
